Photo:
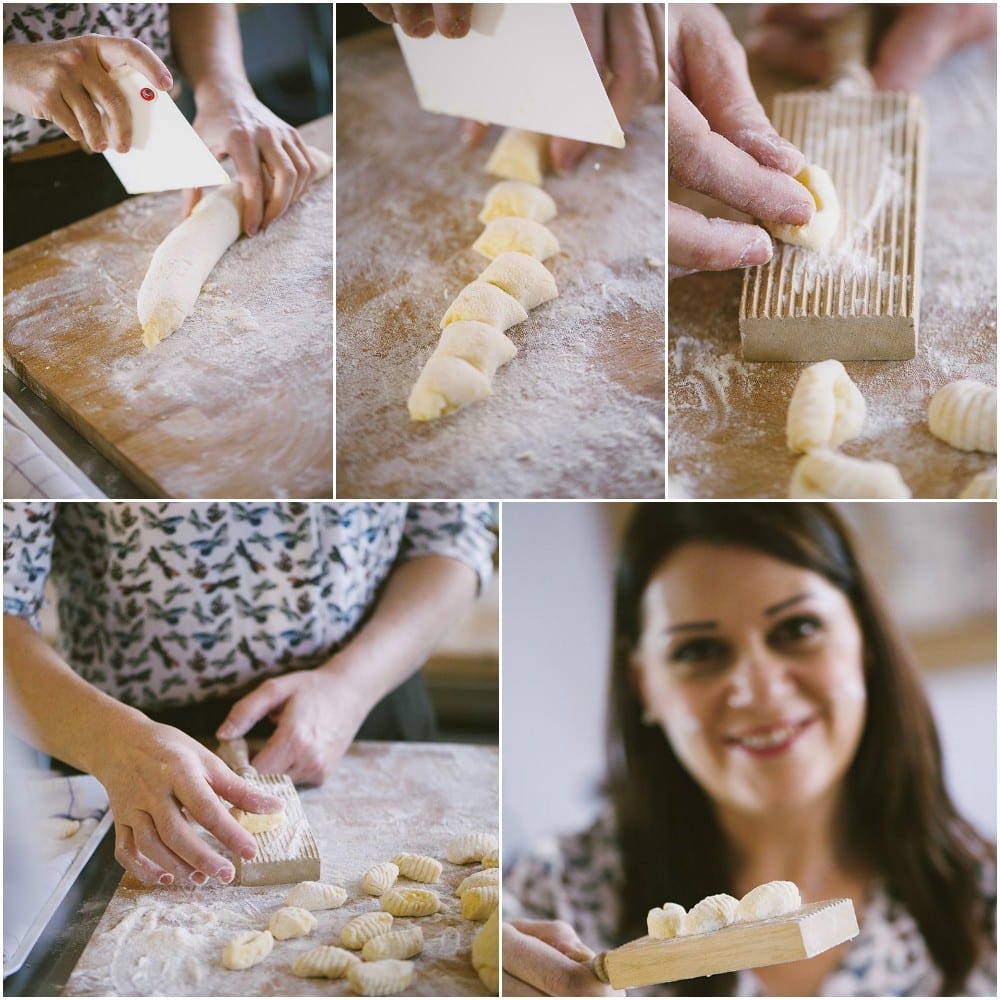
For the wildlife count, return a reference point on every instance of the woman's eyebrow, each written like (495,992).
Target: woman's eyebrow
(690,627)
(781,605)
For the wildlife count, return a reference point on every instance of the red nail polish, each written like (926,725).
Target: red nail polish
(166,879)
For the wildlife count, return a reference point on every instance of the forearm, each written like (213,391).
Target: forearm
(57,711)
(420,602)
(206,43)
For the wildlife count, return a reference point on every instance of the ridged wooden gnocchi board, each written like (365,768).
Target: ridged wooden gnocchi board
(383,798)
(238,402)
(860,301)
(814,928)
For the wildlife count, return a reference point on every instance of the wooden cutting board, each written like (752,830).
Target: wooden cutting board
(579,410)
(238,402)
(383,799)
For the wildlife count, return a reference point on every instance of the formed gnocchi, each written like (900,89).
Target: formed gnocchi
(517,198)
(291,922)
(418,867)
(519,156)
(511,233)
(380,979)
(519,274)
(666,921)
(411,902)
(826,408)
(964,415)
(711,913)
(376,880)
(478,903)
(360,930)
(247,949)
(316,896)
(258,822)
(486,303)
(828,475)
(818,233)
(490,876)
(471,847)
(396,944)
(324,962)
(772,899)
(981,487)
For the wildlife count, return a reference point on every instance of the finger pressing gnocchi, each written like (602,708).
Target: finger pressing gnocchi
(826,408)
(818,233)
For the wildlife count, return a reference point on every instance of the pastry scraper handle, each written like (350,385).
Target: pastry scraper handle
(848,39)
(236,754)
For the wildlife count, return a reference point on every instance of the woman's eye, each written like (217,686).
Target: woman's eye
(698,651)
(797,629)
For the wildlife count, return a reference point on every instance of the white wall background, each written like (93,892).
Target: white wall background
(937,563)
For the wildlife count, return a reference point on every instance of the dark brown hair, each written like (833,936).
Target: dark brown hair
(900,819)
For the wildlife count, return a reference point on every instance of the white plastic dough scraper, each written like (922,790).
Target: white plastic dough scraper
(524,66)
(166,152)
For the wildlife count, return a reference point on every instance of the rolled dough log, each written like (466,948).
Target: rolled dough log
(186,257)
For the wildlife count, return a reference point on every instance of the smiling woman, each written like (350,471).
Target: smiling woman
(766,723)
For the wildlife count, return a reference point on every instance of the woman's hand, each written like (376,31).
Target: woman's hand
(317,714)
(271,159)
(793,37)
(156,777)
(720,143)
(547,958)
(67,82)
(419,20)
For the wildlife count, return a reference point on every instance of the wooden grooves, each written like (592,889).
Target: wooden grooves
(862,300)
(812,929)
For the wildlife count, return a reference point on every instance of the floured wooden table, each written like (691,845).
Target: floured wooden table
(238,402)
(384,798)
(727,417)
(579,411)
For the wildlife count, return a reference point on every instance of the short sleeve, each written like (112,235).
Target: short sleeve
(27,557)
(463,531)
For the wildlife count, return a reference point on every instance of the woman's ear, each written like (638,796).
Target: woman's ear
(637,681)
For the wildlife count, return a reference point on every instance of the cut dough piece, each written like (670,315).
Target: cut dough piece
(482,345)
(291,922)
(247,949)
(711,914)
(446,384)
(772,899)
(316,896)
(324,962)
(526,201)
(826,408)
(258,822)
(396,944)
(479,903)
(667,921)
(376,880)
(519,156)
(964,415)
(486,953)
(817,234)
(380,979)
(485,303)
(363,928)
(828,475)
(411,902)
(508,233)
(418,867)
(981,487)
(519,274)
(186,257)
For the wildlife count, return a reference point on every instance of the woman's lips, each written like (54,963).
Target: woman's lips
(768,741)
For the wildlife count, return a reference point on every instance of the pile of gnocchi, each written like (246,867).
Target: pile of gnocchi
(772,899)
(373,951)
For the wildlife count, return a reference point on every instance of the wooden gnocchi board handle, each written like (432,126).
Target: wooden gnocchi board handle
(813,928)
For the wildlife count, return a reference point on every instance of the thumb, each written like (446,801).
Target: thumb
(131,52)
(251,708)
(191,198)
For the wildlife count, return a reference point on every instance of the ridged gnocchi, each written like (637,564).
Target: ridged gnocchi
(491,876)
(828,475)
(316,896)
(396,944)
(964,415)
(818,233)
(378,878)
(359,930)
(485,303)
(380,979)
(480,902)
(491,859)
(418,867)
(324,962)
(519,156)
(517,198)
(510,233)
(258,822)
(411,902)
(486,953)
(247,949)
(772,899)
(711,913)
(981,487)
(291,922)
(826,408)
(666,921)
(471,847)
(519,274)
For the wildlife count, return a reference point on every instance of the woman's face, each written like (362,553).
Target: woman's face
(754,669)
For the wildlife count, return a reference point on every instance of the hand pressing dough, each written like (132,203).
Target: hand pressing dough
(981,487)
(258,822)
(826,408)
(411,902)
(828,475)
(817,234)
(964,415)
(247,949)
(519,156)
(519,274)
(396,944)
(485,303)
(324,962)
(316,896)
(376,880)
(418,867)
(711,914)
(486,953)
(772,899)
(361,929)
(509,233)
(526,201)
(667,921)
(380,979)
(186,257)
(291,922)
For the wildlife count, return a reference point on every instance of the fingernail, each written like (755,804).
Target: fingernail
(225,874)
(248,853)
(227,731)
(166,81)
(122,147)
(199,878)
(459,25)
(794,214)
(166,879)
(758,251)
(100,147)
(425,28)
(254,230)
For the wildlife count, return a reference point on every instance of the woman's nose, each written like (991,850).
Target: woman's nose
(761,678)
